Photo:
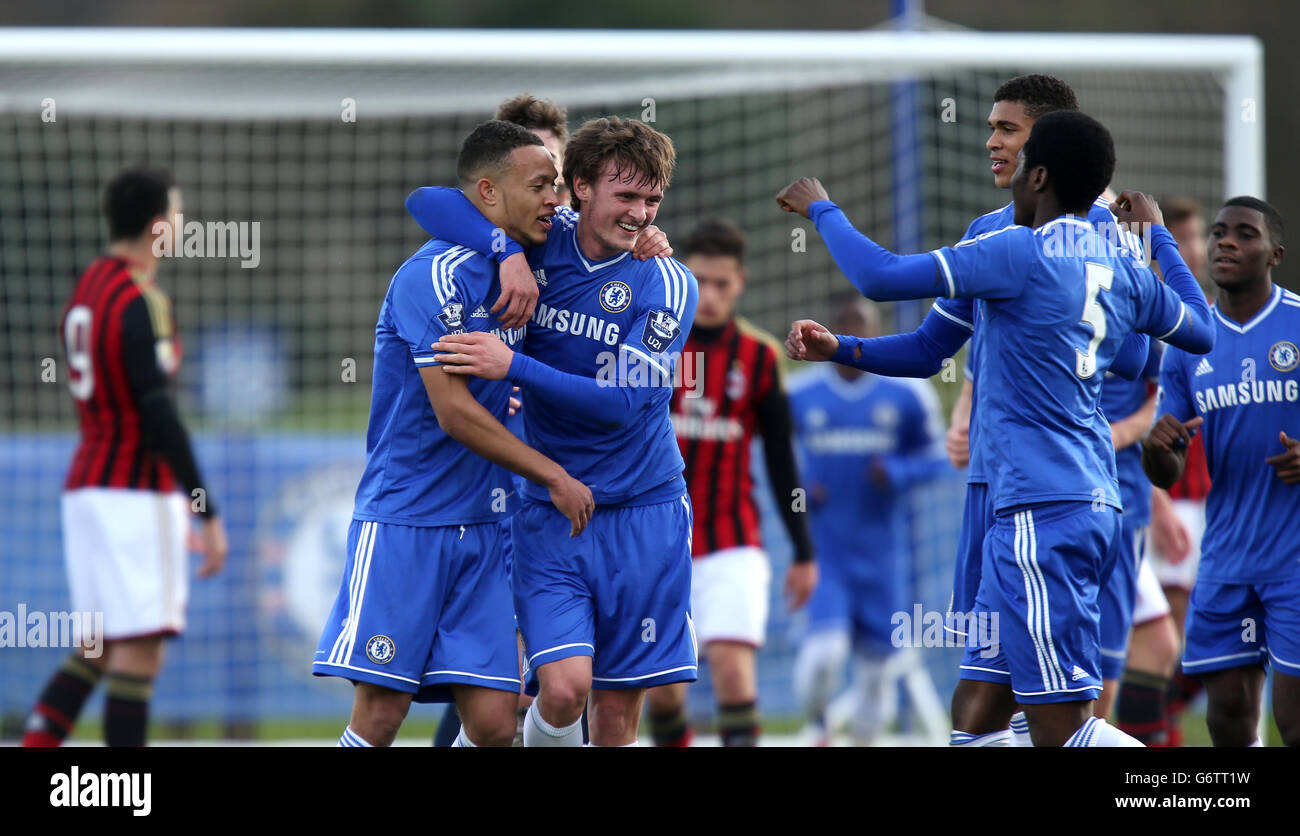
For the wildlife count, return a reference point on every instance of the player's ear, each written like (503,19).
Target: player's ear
(487,191)
(1038,178)
(1276,258)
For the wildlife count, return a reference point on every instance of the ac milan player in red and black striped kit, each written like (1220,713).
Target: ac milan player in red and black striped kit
(124,521)
(731,391)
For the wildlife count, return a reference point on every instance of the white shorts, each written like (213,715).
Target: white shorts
(126,557)
(729,596)
(1151,602)
(1192,514)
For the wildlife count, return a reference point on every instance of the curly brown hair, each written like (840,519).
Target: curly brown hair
(536,115)
(638,151)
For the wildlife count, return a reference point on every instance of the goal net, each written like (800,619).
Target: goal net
(314,138)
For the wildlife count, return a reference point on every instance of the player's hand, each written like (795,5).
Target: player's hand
(1136,208)
(515,403)
(801,194)
(1168,534)
(1287,463)
(651,243)
(573,499)
(809,340)
(213,546)
(1170,435)
(800,581)
(519,292)
(879,473)
(956,443)
(475,352)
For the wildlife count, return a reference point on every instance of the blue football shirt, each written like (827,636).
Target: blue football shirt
(415,473)
(968,313)
(598,319)
(1248,390)
(842,430)
(1057,303)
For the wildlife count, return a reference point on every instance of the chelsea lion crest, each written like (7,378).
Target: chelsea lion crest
(381,650)
(1284,356)
(615,296)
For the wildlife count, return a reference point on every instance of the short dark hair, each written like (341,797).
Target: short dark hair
(490,145)
(716,236)
(1177,210)
(634,146)
(1077,152)
(1039,94)
(134,197)
(536,115)
(1272,217)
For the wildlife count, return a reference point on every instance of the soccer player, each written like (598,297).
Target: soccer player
(1244,397)
(1178,516)
(423,610)
(550,123)
(1049,329)
(125,520)
(864,441)
(736,392)
(607,614)
(978,700)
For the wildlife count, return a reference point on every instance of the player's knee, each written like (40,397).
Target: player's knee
(496,730)
(563,699)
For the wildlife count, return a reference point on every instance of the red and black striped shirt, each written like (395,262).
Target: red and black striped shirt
(118,339)
(1195,483)
(731,391)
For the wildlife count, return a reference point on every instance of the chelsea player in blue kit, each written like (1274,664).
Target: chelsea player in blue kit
(864,442)
(606,614)
(1244,396)
(1058,299)
(424,610)
(979,700)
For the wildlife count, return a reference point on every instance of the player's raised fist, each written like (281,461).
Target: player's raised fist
(801,194)
(1287,463)
(1137,208)
(811,341)
(1169,434)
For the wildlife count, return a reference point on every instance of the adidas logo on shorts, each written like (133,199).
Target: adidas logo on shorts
(1077,674)
(1203,367)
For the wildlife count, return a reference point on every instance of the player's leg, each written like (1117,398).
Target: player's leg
(1233,704)
(669,724)
(474,655)
(1225,647)
(1177,581)
(733,667)
(64,695)
(615,715)
(381,628)
(824,651)
(1116,600)
(640,576)
(1286,707)
(553,604)
(132,667)
(1281,602)
(1045,567)
(488,713)
(1152,657)
(377,714)
(982,702)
